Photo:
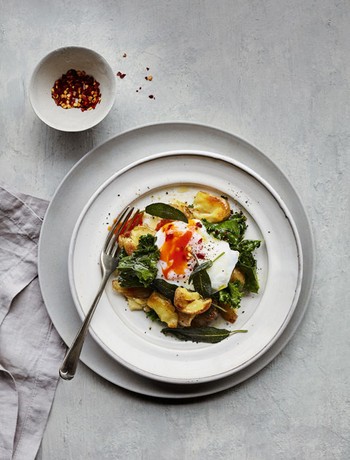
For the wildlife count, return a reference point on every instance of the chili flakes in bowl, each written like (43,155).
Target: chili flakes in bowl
(89,86)
(76,89)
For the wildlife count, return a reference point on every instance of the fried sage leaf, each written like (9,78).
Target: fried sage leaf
(202,284)
(201,334)
(165,211)
(199,268)
(165,288)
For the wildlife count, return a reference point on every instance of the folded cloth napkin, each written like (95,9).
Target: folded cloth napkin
(30,349)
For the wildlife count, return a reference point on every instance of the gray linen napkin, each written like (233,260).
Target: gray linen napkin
(30,349)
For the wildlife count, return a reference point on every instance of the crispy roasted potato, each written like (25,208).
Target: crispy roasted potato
(229,314)
(185,319)
(183,207)
(138,292)
(237,275)
(130,242)
(164,309)
(210,207)
(190,302)
(206,318)
(136,304)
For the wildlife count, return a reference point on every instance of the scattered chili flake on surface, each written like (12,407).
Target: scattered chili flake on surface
(76,89)
(151,96)
(121,75)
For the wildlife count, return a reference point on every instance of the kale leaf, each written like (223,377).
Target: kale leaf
(230,296)
(247,265)
(232,231)
(140,268)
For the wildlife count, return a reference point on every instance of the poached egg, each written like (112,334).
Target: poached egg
(184,245)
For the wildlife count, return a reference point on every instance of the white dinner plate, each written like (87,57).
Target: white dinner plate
(129,336)
(80,184)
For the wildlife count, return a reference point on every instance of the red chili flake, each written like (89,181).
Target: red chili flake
(121,75)
(76,89)
(162,223)
(200,256)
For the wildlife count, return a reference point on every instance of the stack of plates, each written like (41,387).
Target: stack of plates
(136,167)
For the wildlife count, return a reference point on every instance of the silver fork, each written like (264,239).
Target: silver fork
(109,262)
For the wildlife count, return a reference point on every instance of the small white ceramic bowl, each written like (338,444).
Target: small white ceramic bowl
(51,68)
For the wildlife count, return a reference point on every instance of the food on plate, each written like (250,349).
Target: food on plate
(186,265)
(210,207)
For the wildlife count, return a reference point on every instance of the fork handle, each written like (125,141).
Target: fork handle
(70,362)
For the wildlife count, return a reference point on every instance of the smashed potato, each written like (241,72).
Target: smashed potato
(185,319)
(136,304)
(183,207)
(190,302)
(136,296)
(229,314)
(131,241)
(206,318)
(211,208)
(237,275)
(138,292)
(164,309)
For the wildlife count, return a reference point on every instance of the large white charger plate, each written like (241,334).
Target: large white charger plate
(87,176)
(129,337)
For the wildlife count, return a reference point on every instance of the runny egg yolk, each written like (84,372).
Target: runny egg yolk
(175,252)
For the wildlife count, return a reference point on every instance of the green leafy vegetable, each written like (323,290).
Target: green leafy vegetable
(204,266)
(199,268)
(247,265)
(152,315)
(231,295)
(202,284)
(232,231)
(165,288)
(140,268)
(201,334)
(165,211)
(246,246)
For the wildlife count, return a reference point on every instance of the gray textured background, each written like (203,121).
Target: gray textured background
(273,72)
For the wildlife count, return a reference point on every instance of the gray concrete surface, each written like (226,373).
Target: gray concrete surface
(275,72)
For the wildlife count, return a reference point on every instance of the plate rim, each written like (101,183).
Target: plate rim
(97,361)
